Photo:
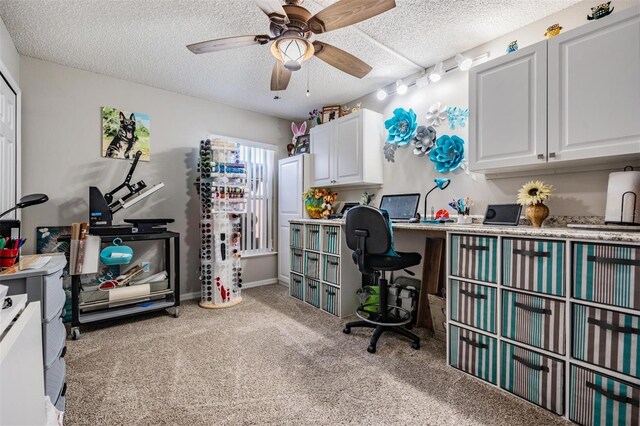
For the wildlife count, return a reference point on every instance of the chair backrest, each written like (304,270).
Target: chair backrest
(371,220)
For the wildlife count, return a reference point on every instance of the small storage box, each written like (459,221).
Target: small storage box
(313,288)
(54,379)
(53,295)
(297,264)
(533,265)
(331,269)
(536,321)
(607,338)
(331,299)
(296,236)
(296,286)
(474,305)
(55,336)
(473,353)
(474,257)
(534,377)
(607,274)
(312,265)
(331,242)
(596,399)
(312,237)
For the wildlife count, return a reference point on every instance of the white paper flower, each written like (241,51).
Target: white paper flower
(436,114)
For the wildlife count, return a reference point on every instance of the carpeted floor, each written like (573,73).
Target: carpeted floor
(271,360)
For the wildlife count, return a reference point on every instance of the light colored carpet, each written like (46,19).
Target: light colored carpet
(271,360)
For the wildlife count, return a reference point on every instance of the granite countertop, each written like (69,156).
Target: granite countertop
(520,231)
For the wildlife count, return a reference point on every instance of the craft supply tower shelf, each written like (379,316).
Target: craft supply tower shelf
(222,186)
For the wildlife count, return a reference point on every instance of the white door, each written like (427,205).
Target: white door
(8,158)
(348,146)
(594,89)
(290,175)
(321,140)
(508,110)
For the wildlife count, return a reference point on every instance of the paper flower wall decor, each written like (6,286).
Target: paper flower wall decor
(448,153)
(457,117)
(401,127)
(389,150)
(424,140)
(436,114)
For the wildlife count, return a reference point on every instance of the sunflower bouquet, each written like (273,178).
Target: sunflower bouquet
(534,192)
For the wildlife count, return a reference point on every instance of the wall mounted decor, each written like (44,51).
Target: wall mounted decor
(600,11)
(457,117)
(436,114)
(553,30)
(124,133)
(317,201)
(389,150)
(513,46)
(401,127)
(448,153)
(424,140)
(330,113)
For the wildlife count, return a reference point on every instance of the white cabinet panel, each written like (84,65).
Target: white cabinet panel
(508,104)
(594,89)
(8,158)
(348,145)
(321,147)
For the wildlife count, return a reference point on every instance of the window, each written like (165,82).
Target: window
(257,224)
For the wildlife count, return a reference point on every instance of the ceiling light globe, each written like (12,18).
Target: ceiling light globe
(436,74)
(434,77)
(381,95)
(464,62)
(401,88)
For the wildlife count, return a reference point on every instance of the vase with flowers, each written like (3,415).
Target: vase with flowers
(315,118)
(533,195)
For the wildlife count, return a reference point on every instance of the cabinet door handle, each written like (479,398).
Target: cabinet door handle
(313,259)
(330,293)
(540,156)
(552,155)
(313,286)
(613,327)
(296,230)
(529,364)
(472,343)
(532,308)
(613,260)
(473,295)
(314,231)
(472,247)
(532,253)
(619,398)
(297,254)
(331,262)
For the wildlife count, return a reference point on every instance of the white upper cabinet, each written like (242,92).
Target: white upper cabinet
(573,98)
(348,150)
(508,101)
(594,89)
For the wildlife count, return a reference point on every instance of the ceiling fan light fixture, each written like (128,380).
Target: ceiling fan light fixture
(464,62)
(401,88)
(436,74)
(292,51)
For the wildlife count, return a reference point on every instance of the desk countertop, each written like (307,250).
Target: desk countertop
(519,231)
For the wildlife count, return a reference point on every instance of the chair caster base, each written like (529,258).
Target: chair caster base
(415,345)
(371,349)
(346,330)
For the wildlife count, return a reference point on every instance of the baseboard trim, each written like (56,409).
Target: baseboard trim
(196,294)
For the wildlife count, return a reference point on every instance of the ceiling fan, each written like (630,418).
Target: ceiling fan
(291,27)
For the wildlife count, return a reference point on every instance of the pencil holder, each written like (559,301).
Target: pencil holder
(8,257)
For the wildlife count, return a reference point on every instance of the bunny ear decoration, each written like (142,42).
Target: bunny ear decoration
(294,128)
(303,128)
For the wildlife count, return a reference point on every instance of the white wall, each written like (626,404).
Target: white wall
(8,54)
(581,194)
(61,152)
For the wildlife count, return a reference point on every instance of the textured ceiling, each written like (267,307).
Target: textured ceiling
(144,41)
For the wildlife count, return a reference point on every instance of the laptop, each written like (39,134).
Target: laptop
(401,207)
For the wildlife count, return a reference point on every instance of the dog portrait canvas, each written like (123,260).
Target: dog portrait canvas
(124,133)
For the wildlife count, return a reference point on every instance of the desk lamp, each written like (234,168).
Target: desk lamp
(441,183)
(26,201)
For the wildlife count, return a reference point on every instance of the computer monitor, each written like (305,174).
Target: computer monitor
(401,207)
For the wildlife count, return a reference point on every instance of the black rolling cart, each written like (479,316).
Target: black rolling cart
(102,309)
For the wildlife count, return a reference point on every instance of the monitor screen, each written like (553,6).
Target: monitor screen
(401,206)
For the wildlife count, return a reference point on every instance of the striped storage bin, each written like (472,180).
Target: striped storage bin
(474,305)
(533,265)
(296,286)
(296,235)
(596,399)
(331,242)
(331,269)
(607,338)
(331,299)
(473,353)
(607,274)
(536,321)
(534,377)
(474,257)
(312,265)
(312,237)
(312,295)
(297,264)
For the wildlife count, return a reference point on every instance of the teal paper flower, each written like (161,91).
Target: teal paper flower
(401,127)
(448,153)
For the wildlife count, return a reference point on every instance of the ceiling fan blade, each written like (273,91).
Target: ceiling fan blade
(280,77)
(227,43)
(340,59)
(347,12)
(273,9)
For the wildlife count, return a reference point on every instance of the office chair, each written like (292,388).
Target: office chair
(369,236)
